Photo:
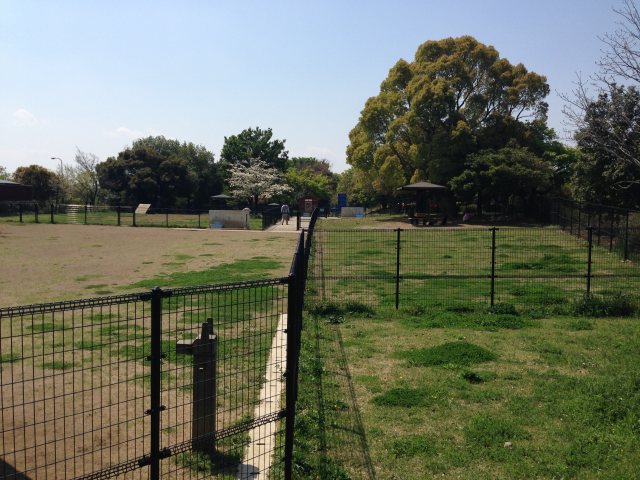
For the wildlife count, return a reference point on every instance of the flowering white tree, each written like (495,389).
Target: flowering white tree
(255,180)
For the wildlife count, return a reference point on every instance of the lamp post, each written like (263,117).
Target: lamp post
(61,175)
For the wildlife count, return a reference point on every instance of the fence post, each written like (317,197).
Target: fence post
(155,358)
(199,219)
(493,265)
(590,247)
(118,211)
(20,211)
(298,221)
(293,352)
(599,221)
(571,220)
(579,220)
(85,214)
(611,233)
(626,239)
(51,213)
(203,412)
(35,207)
(398,268)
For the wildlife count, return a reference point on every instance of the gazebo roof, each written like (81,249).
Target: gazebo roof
(423,186)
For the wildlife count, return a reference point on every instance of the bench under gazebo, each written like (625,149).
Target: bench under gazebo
(425,212)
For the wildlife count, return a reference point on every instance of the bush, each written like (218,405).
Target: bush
(616,305)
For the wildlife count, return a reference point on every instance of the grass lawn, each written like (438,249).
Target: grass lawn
(543,385)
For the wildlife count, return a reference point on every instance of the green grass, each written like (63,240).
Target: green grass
(254,268)
(9,357)
(544,384)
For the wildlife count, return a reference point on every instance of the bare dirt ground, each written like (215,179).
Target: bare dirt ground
(44,263)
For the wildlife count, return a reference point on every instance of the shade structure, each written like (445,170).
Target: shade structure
(423,186)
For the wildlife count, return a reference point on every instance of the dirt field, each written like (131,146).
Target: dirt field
(44,263)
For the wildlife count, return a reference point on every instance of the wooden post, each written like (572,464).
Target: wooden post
(204,351)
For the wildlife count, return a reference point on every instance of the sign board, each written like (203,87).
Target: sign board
(143,208)
(342,200)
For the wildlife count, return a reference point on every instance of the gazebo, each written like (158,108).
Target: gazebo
(426,211)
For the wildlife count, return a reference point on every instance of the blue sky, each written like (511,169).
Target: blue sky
(98,74)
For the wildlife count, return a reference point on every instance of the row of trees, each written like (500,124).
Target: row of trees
(459,115)
(254,167)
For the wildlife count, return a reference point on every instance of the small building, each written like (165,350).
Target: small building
(307,204)
(15,192)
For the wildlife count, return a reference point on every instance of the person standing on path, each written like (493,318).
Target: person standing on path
(284,210)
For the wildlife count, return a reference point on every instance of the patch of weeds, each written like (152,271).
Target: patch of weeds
(490,431)
(334,309)
(197,462)
(45,327)
(147,263)
(561,263)
(406,398)
(9,357)
(511,322)
(183,256)
(447,256)
(58,365)
(370,382)
(579,325)
(460,308)
(451,353)
(542,295)
(475,377)
(616,305)
(503,308)
(413,445)
(88,345)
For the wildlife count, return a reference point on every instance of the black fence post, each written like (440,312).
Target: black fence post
(298,221)
(199,219)
(590,247)
(599,222)
(611,233)
(398,268)
(155,358)
(35,208)
(571,220)
(51,213)
(579,219)
(20,211)
(118,211)
(293,351)
(626,239)
(85,214)
(493,265)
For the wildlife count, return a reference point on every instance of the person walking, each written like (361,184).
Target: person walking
(284,210)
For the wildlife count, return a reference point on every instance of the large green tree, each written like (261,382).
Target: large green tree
(254,143)
(510,177)
(311,176)
(44,183)
(161,171)
(458,96)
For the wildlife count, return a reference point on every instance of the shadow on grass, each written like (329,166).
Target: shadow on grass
(342,448)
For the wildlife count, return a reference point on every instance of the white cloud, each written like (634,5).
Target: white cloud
(24,118)
(129,133)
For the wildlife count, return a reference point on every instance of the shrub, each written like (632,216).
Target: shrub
(615,305)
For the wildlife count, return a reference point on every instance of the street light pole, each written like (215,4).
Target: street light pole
(61,177)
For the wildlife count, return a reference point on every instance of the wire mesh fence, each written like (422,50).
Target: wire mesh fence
(533,267)
(184,383)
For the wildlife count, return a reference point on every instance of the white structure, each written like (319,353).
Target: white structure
(352,212)
(229,218)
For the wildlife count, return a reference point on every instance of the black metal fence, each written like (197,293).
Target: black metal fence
(117,216)
(180,383)
(614,228)
(533,267)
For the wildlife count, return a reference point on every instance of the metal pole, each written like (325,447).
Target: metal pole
(155,357)
(118,210)
(85,214)
(52,221)
(611,233)
(20,211)
(493,265)
(35,207)
(626,239)
(590,242)
(599,221)
(398,268)
(571,220)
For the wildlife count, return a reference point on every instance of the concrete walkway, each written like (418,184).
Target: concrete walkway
(258,456)
(304,223)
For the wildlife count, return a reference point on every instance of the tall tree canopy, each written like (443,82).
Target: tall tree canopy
(44,183)
(457,97)
(164,172)
(310,176)
(255,143)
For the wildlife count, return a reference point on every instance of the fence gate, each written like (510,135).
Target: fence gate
(184,383)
